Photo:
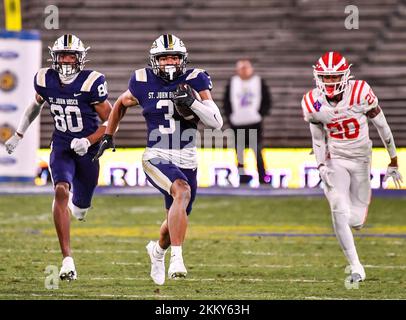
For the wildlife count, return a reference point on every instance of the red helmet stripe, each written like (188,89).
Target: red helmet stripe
(359,92)
(322,64)
(342,61)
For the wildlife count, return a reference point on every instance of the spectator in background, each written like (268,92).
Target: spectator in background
(247,101)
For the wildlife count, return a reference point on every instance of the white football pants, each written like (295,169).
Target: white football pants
(349,200)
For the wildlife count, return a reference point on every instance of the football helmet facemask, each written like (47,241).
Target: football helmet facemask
(168,45)
(68,44)
(332,64)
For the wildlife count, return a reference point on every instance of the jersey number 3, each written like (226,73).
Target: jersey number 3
(347,129)
(64,118)
(168,116)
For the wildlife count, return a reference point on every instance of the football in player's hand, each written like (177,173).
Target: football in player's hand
(185,111)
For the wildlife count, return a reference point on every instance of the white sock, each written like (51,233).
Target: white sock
(67,260)
(345,238)
(176,251)
(352,257)
(159,252)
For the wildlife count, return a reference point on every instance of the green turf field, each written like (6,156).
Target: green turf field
(223,261)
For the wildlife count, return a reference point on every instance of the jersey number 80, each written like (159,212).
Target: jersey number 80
(64,118)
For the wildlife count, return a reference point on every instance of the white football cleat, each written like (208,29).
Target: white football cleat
(157,264)
(78,213)
(177,268)
(68,271)
(357,274)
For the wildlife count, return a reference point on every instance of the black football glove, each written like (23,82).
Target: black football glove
(106,143)
(183,96)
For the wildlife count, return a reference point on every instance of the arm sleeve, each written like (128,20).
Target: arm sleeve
(266,102)
(380,123)
(209,113)
(318,142)
(29,115)
(99,91)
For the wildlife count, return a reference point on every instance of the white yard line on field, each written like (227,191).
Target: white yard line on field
(128,263)
(102,295)
(219,279)
(192,279)
(74,251)
(281,254)
(324,298)
(384,267)
(255,265)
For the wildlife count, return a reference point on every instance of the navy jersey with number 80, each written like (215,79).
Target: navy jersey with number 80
(72,105)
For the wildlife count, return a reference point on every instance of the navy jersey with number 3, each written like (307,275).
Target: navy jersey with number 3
(72,105)
(166,128)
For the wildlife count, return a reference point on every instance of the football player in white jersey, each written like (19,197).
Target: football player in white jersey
(338,111)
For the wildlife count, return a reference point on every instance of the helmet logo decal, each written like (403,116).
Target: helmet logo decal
(168,42)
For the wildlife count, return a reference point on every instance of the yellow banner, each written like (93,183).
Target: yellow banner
(288,167)
(13,15)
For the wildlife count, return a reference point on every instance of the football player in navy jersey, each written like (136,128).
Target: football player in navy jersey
(77,99)
(167,92)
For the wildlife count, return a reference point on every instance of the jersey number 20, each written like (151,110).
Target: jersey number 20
(348,129)
(63,118)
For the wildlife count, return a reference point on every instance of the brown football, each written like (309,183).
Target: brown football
(186,112)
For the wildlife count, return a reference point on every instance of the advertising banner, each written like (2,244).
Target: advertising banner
(20,59)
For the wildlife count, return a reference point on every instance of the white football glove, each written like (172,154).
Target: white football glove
(324,175)
(12,143)
(80,146)
(395,174)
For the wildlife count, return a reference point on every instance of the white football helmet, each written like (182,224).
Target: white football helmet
(332,64)
(168,44)
(68,43)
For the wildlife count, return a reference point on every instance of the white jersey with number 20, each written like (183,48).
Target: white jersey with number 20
(345,124)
